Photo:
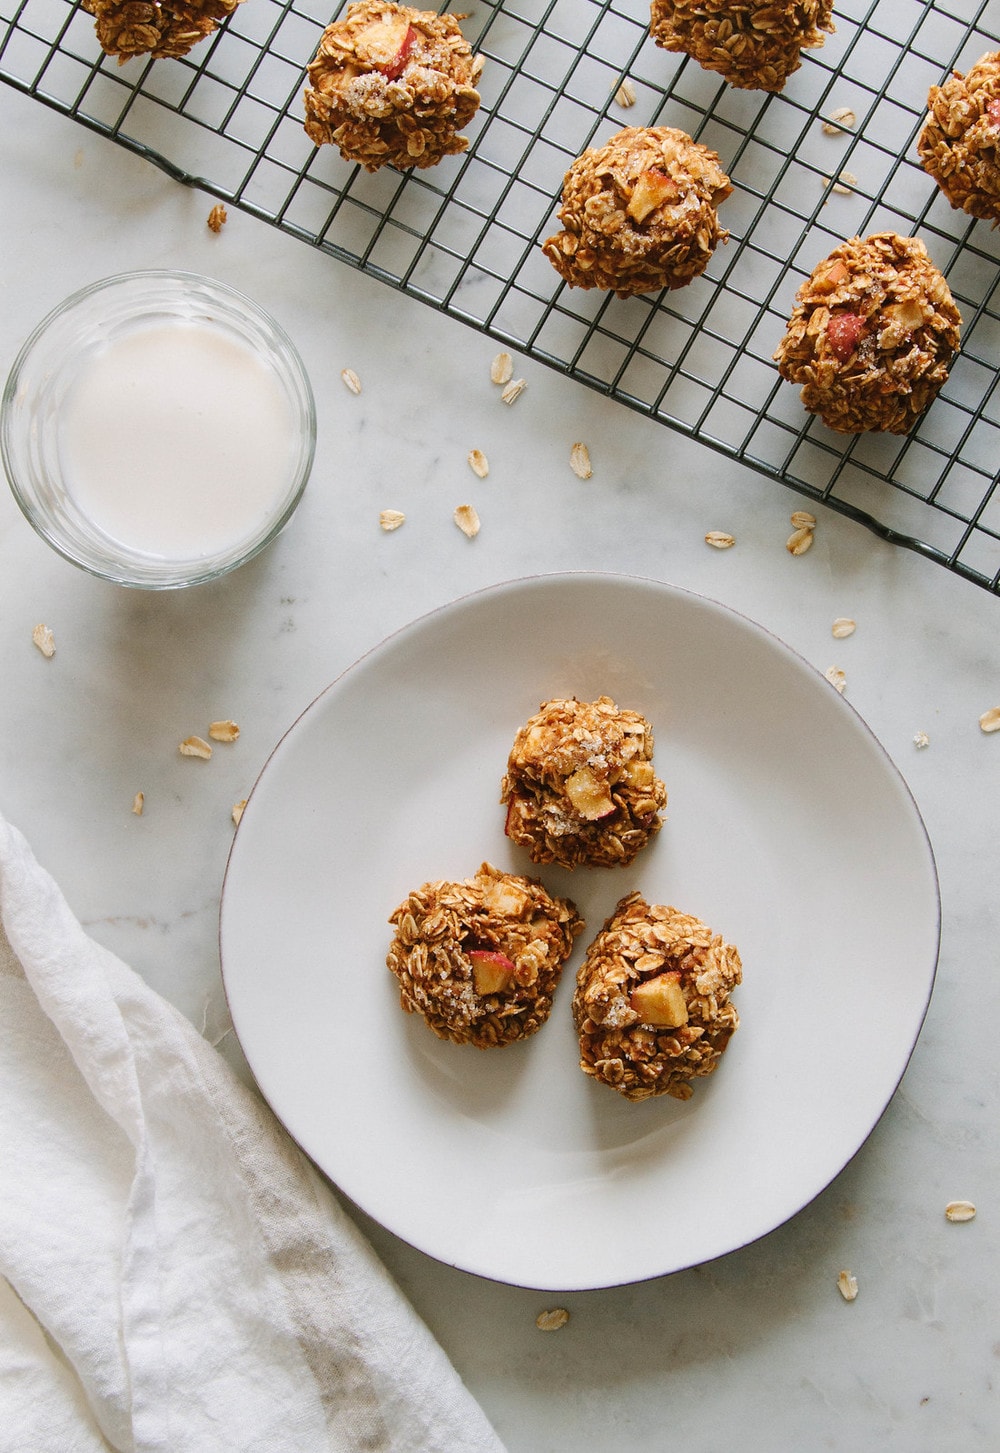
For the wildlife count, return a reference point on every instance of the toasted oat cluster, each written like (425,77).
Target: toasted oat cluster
(652,1005)
(158,28)
(580,786)
(480,959)
(872,335)
(754,44)
(390,85)
(639,213)
(959,144)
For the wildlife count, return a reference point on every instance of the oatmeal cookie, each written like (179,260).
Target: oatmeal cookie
(480,959)
(157,28)
(390,85)
(959,144)
(580,786)
(651,1005)
(639,213)
(753,44)
(872,335)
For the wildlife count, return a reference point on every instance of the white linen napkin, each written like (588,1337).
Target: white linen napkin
(178,1278)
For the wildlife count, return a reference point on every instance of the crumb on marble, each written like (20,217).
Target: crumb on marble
(224,731)
(195,747)
(466,517)
(44,640)
(847,1285)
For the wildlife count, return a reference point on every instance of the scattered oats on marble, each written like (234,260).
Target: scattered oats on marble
(44,640)
(237,811)
(847,1285)
(800,541)
(921,739)
(218,217)
(719,540)
(842,119)
(502,369)
(625,95)
(138,803)
(842,627)
(223,731)
(579,459)
(351,380)
(391,519)
(960,1211)
(845,184)
(553,1320)
(467,520)
(836,678)
(195,747)
(478,463)
(514,390)
(802,520)
(990,720)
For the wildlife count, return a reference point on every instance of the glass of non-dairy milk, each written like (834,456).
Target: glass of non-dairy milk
(158,429)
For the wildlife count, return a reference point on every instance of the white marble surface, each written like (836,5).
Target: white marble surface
(759,1341)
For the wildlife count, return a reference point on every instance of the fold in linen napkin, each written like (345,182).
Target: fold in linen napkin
(175,1274)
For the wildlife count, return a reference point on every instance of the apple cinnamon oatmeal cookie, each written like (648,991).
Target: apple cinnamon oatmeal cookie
(959,144)
(157,28)
(639,213)
(580,786)
(872,335)
(391,85)
(652,1004)
(755,44)
(480,959)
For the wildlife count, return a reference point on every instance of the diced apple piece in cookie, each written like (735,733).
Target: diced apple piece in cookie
(590,797)
(660,1002)
(832,278)
(652,189)
(393,69)
(899,320)
(843,331)
(639,772)
(506,897)
(380,43)
(492,973)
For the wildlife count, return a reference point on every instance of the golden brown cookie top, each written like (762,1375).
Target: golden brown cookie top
(872,334)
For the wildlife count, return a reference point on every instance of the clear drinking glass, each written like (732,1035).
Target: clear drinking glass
(41,386)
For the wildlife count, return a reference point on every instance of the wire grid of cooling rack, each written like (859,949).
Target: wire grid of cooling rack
(464,236)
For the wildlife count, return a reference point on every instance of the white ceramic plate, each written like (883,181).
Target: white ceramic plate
(789,831)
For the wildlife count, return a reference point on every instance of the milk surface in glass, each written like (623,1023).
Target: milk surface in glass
(176,439)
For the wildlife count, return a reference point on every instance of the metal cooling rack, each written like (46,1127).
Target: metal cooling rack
(464,236)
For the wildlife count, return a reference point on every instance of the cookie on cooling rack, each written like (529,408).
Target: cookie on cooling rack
(157,28)
(959,143)
(755,46)
(652,1006)
(480,959)
(639,213)
(391,85)
(872,335)
(580,788)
